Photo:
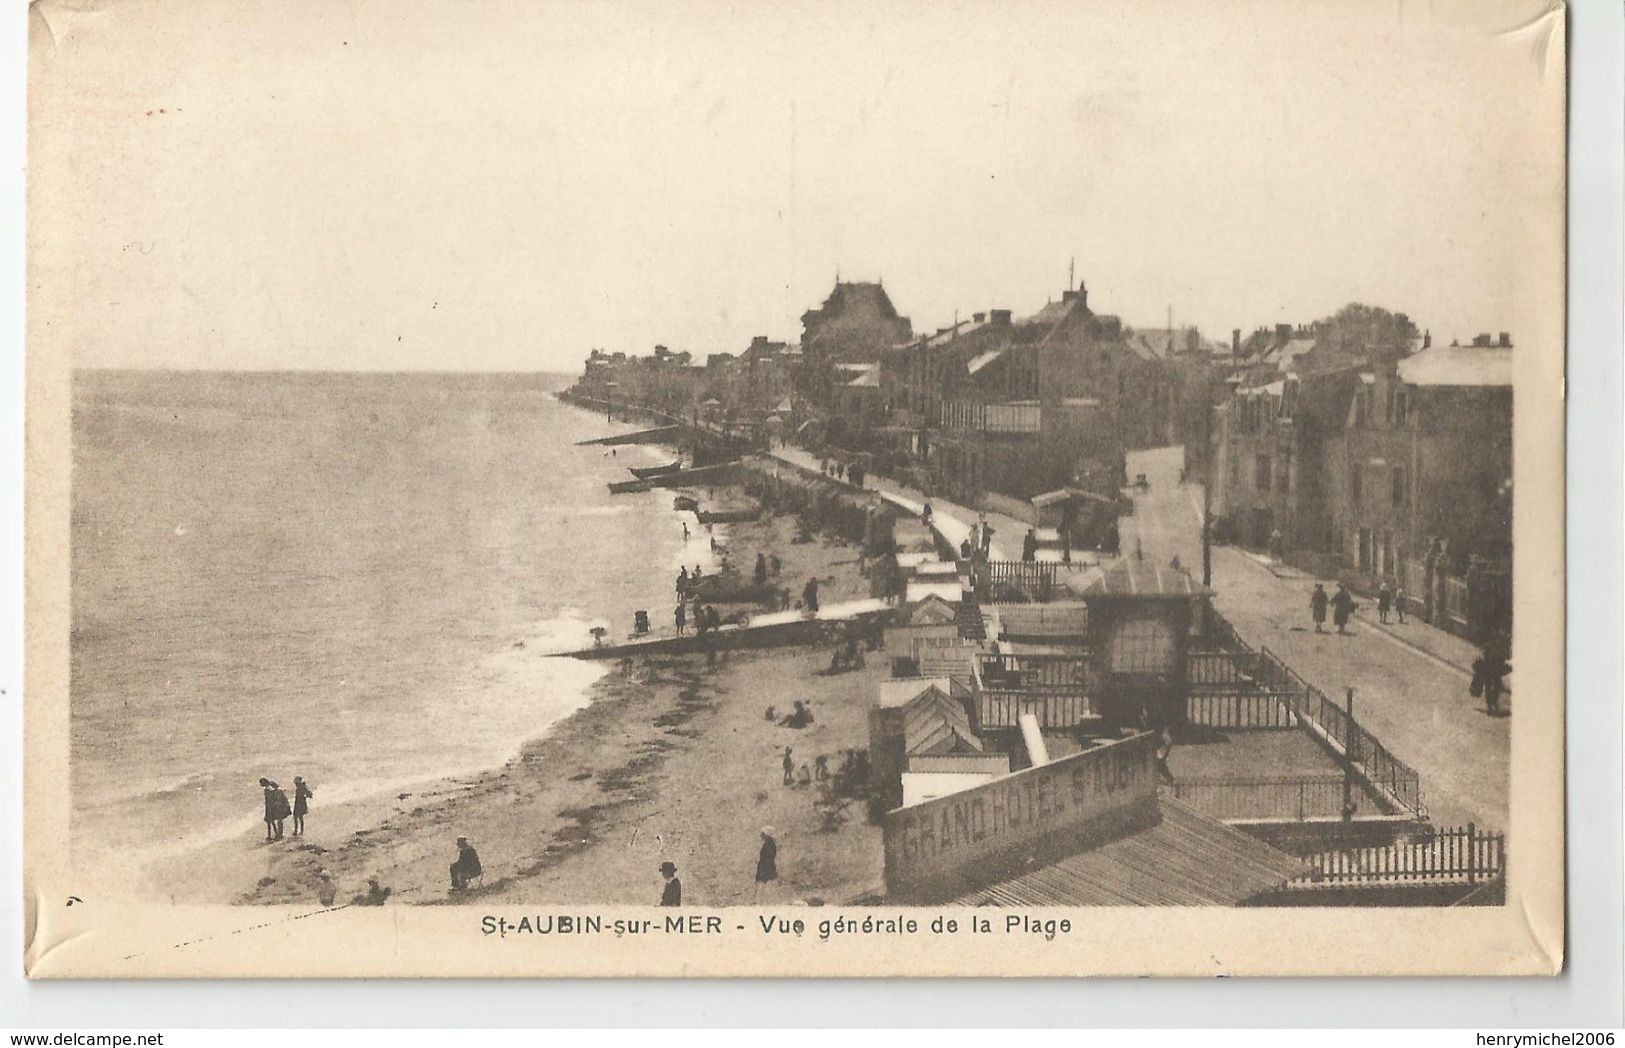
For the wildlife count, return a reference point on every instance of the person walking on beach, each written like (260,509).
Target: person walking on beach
(1385,599)
(276,809)
(767,860)
(681,615)
(1342,607)
(1029,545)
(270,809)
(1399,604)
(789,763)
(809,596)
(672,893)
(987,538)
(925,515)
(965,550)
(302,793)
(685,531)
(1317,607)
(467,867)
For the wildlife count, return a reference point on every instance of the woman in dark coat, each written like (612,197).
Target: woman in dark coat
(276,809)
(1342,607)
(266,787)
(302,793)
(767,860)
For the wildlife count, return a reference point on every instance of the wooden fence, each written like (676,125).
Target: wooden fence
(1015,581)
(1221,669)
(1460,855)
(1023,672)
(1060,710)
(1241,710)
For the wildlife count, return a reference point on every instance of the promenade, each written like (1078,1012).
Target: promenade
(952,520)
(1410,682)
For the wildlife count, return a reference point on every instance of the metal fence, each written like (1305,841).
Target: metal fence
(1459,855)
(1381,768)
(1266,797)
(1309,706)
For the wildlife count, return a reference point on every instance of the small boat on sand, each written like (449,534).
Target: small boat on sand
(645,472)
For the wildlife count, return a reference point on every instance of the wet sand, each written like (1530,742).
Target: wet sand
(669,761)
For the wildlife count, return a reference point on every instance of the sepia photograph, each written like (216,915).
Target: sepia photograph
(1038,488)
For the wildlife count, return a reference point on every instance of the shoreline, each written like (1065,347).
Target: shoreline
(642,762)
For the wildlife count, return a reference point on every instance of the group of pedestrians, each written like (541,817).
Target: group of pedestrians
(1389,601)
(278,808)
(1341,604)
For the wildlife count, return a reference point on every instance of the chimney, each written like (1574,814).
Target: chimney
(1235,342)
(1481,341)
(1283,332)
(1000,316)
(1083,295)
(1069,296)
(1506,340)
(978,317)
(1427,340)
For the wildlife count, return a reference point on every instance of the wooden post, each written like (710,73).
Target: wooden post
(1472,854)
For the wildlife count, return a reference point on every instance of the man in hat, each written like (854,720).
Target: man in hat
(672,894)
(467,867)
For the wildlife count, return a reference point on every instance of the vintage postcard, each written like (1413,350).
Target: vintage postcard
(811,489)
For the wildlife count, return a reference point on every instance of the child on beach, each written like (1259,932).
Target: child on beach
(302,793)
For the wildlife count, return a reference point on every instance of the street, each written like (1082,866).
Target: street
(1410,682)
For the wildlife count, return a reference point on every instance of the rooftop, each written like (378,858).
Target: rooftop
(1458,366)
(1142,578)
(1185,859)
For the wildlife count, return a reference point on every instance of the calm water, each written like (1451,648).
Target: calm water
(329,575)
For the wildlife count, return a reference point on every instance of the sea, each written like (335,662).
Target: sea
(355,578)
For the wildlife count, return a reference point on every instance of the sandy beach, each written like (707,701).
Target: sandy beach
(669,760)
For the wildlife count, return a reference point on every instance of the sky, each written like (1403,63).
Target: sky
(347,184)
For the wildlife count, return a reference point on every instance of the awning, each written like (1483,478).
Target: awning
(1186,859)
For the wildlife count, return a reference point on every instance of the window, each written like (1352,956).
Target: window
(1286,471)
(1399,485)
(1400,406)
(1261,473)
(1354,483)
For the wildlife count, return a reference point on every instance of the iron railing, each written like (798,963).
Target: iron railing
(1265,797)
(1309,706)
